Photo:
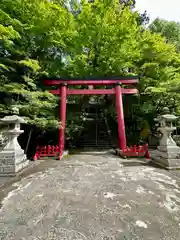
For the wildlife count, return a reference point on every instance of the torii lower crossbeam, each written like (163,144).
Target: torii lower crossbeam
(94,91)
(63,91)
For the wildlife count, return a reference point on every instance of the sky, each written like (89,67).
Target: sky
(169,10)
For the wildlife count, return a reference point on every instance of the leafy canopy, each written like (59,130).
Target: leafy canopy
(82,39)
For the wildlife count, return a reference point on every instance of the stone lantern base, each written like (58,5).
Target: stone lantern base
(167,157)
(12,161)
(12,157)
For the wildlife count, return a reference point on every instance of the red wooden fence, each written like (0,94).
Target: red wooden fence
(136,151)
(46,151)
(132,151)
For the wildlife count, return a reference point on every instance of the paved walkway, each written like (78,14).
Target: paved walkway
(93,197)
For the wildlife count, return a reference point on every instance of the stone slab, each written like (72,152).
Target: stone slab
(7,169)
(167,160)
(11,162)
(21,166)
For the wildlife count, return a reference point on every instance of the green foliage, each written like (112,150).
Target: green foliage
(97,39)
(106,42)
(33,35)
(168,29)
(163,82)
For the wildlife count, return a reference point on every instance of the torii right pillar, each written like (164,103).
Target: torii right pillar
(120,117)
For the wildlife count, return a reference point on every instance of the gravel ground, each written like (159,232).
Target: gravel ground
(93,196)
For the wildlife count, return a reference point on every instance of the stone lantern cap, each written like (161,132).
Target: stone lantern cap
(12,119)
(166,116)
(169,117)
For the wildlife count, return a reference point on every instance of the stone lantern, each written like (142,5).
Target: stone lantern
(12,157)
(168,153)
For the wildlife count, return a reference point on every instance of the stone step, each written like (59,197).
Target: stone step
(95,147)
(94,143)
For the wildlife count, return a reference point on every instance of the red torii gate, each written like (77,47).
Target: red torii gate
(63,91)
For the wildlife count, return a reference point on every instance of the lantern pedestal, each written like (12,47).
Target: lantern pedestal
(169,158)
(167,154)
(12,157)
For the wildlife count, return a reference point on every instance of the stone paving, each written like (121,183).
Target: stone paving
(93,197)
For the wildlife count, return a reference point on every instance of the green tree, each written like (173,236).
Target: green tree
(33,35)
(110,42)
(51,38)
(168,29)
(106,41)
(159,66)
(169,85)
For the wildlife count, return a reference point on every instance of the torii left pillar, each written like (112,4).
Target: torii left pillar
(62,118)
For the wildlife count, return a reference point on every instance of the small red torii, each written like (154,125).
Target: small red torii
(117,90)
